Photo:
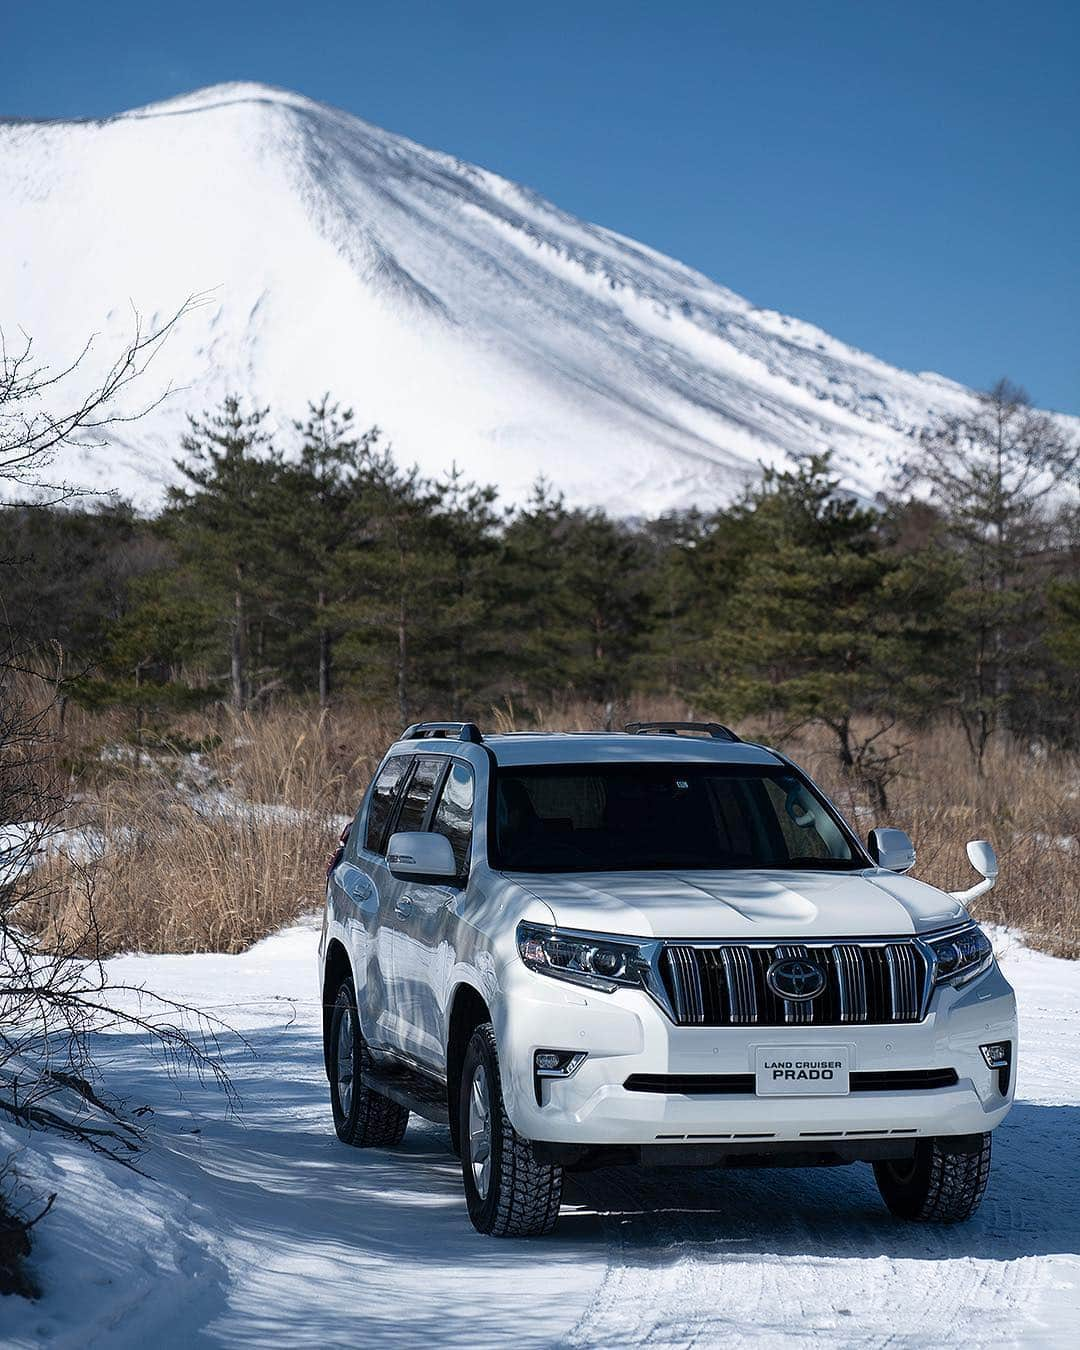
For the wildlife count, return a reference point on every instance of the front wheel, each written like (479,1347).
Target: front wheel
(943,1183)
(361,1117)
(508,1193)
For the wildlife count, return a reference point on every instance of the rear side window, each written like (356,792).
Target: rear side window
(418,792)
(382,802)
(453,815)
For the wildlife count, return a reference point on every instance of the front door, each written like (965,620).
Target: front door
(428,939)
(399,905)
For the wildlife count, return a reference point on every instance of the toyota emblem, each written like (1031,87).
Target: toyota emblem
(795,979)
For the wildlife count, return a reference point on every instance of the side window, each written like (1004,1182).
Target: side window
(418,790)
(382,802)
(453,815)
(352,844)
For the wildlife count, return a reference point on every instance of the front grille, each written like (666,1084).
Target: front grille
(724,985)
(727,1084)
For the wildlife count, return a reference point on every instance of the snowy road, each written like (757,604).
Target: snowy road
(262,1230)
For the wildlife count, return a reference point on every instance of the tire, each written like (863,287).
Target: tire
(361,1117)
(508,1193)
(943,1183)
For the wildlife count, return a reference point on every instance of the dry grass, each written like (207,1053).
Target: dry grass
(175,874)
(184,850)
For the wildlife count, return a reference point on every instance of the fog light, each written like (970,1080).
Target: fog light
(996,1054)
(548,1064)
(557,1063)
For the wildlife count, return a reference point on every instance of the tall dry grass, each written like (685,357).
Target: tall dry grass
(205,838)
(215,833)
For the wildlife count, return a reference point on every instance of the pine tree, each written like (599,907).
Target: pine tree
(224,519)
(327,529)
(468,549)
(824,624)
(990,475)
(394,623)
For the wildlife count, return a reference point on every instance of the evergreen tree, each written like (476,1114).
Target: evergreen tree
(466,525)
(396,623)
(824,624)
(223,522)
(990,474)
(327,528)
(530,609)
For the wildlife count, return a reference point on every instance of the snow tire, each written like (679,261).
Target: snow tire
(521,1197)
(944,1183)
(362,1117)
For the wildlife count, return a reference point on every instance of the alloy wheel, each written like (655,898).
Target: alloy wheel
(345,1062)
(480,1132)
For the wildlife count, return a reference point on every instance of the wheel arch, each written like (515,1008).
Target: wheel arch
(468,1009)
(337,968)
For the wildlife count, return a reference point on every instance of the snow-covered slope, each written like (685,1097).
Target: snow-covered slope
(262,1230)
(471,319)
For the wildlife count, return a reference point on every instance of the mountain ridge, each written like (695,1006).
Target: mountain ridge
(472,319)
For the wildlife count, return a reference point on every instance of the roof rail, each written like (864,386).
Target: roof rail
(716,730)
(461,731)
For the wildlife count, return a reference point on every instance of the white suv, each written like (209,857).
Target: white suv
(660,946)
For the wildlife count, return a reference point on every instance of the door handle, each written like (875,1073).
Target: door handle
(403,908)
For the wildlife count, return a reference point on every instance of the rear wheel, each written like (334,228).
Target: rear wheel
(943,1183)
(509,1194)
(361,1117)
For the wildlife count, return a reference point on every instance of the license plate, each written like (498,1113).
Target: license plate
(801,1071)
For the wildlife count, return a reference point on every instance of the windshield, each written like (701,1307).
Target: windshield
(644,817)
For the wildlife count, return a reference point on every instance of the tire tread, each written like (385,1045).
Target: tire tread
(375,1121)
(947,1186)
(528,1193)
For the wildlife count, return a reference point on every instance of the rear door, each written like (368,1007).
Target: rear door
(365,882)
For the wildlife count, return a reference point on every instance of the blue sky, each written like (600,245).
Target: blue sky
(905,175)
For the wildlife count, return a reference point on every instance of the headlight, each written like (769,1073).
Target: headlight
(581,958)
(960,956)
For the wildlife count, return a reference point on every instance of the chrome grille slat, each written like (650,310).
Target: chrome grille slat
(723,984)
(675,986)
(695,1000)
(740,983)
(850,971)
(903,981)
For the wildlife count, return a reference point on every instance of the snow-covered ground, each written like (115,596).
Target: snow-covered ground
(260,1229)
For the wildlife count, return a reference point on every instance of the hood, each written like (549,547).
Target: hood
(712,905)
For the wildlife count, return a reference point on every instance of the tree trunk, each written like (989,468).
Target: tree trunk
(842,731)
(324,656)
(237,662)
(402,657)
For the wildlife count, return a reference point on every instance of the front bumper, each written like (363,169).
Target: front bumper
(626,1033)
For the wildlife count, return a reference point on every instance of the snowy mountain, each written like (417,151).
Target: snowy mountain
(471,319)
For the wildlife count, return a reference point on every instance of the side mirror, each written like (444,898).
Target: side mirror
(982,857)
(423,856)
(892,849)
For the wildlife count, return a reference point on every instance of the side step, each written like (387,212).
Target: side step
(424,1096)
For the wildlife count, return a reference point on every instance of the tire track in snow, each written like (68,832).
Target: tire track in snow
(786,1256)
